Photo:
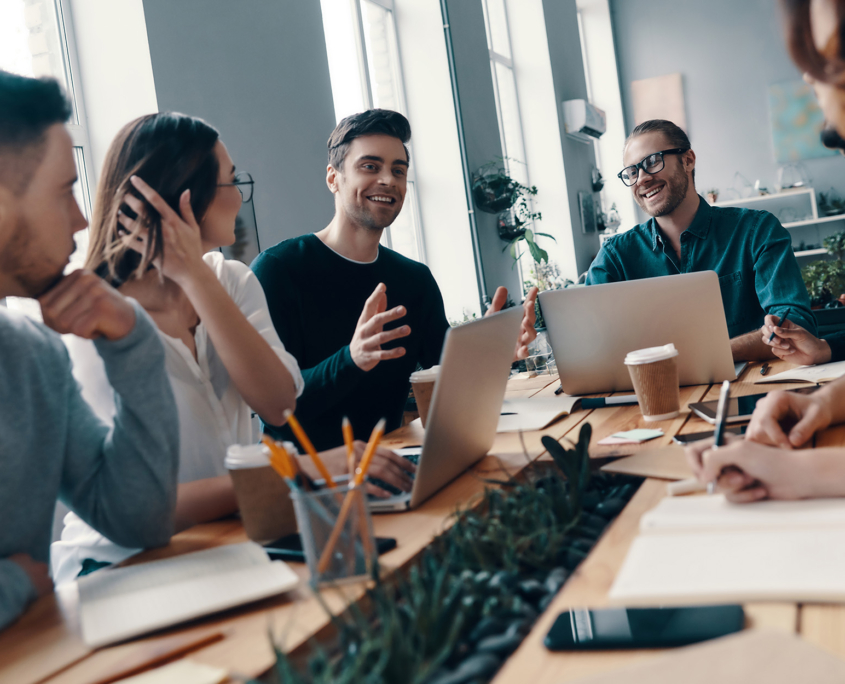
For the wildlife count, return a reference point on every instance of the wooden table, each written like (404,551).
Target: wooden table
(45,644)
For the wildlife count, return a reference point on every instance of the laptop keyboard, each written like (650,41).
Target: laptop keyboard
(413,458)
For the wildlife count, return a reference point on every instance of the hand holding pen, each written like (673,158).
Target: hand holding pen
(790,342)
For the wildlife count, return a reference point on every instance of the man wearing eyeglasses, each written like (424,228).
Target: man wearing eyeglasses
(749,250)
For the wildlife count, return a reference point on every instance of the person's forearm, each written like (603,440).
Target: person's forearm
(750,347)
(260,376)
(203,501)
(16,592)
(823,472)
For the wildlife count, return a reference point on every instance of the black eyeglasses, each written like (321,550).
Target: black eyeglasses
(244,183)
(651,164)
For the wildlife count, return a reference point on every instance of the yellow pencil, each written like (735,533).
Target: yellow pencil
(349,440)
(360,474)
(309,448)
(277,461)
(375,438)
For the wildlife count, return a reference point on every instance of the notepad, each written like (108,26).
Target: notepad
(706,550)
(637,436)
(534,413)
(117,604)
(749,656)
(825,372)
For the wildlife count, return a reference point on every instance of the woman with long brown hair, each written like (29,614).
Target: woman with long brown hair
(167,200)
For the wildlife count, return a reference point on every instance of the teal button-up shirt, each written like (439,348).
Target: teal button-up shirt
(749,250)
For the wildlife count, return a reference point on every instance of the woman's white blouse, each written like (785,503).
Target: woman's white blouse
(212,413)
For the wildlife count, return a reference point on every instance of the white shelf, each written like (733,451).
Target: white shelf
(811,252)
(813,222)
(763,198)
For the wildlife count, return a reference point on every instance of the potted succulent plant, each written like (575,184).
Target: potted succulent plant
(835,244)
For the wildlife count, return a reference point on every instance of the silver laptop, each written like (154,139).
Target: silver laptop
(591,329)
(461,426)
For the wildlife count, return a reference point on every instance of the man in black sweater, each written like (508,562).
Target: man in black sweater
(329,292)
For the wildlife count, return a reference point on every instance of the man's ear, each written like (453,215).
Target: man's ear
(689,160)
(331,178)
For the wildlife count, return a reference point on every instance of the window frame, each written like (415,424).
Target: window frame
(367,92)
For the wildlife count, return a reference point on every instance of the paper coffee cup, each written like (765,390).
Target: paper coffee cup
(263,497)
(423,382)
(654,373)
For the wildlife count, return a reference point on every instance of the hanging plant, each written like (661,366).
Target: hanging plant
(495,192)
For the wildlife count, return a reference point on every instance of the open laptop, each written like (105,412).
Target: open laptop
(592,329)
(464,412)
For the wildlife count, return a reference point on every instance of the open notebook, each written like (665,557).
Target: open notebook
(825,372)
(120,603)
(534,413)
(703,549)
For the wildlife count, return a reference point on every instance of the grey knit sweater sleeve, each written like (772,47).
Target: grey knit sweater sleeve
(121,481)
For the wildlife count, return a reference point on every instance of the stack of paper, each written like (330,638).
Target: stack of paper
(116,604)
(750,656)
(703,549)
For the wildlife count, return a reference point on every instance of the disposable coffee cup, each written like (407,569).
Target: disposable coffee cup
(422,382)
(654,372)
(263,497)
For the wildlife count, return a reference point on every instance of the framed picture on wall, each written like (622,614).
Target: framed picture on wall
(588,212)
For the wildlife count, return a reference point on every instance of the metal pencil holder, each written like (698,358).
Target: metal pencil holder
(353,554)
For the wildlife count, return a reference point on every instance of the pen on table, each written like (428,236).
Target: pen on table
(765,367)
(601,402)
(559,390)
(780,323)
(721,421)
(309,448)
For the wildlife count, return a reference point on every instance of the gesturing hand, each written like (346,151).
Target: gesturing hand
(793,343)
(788,419)
(84,304)
(181,238)
(38,573)
(369,335)
(527,332)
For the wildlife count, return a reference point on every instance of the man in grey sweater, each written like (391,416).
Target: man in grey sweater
(120,481)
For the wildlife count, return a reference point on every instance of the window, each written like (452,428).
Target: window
(367,30)
(36,39)
(504,86)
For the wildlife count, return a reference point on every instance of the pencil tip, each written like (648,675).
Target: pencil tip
(380,425)
(345,421)
(287,414)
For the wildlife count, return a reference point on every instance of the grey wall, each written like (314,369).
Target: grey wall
(481,127)
(257,70)
(729,52)
(570,83)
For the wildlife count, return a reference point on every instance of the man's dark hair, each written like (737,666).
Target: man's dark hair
(28,107)
(674,134)
(371,122)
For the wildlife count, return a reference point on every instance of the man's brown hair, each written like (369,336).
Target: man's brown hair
(371,122)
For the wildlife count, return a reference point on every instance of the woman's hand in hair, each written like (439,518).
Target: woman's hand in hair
(182,254)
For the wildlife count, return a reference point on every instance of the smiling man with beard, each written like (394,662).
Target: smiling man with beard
(749,250)
(328,293)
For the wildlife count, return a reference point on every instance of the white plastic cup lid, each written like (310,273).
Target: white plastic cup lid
(650,355)
(243,456)
(426,375)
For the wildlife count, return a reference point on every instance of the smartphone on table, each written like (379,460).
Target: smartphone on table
(289,548)
(740,408)
(619,628)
